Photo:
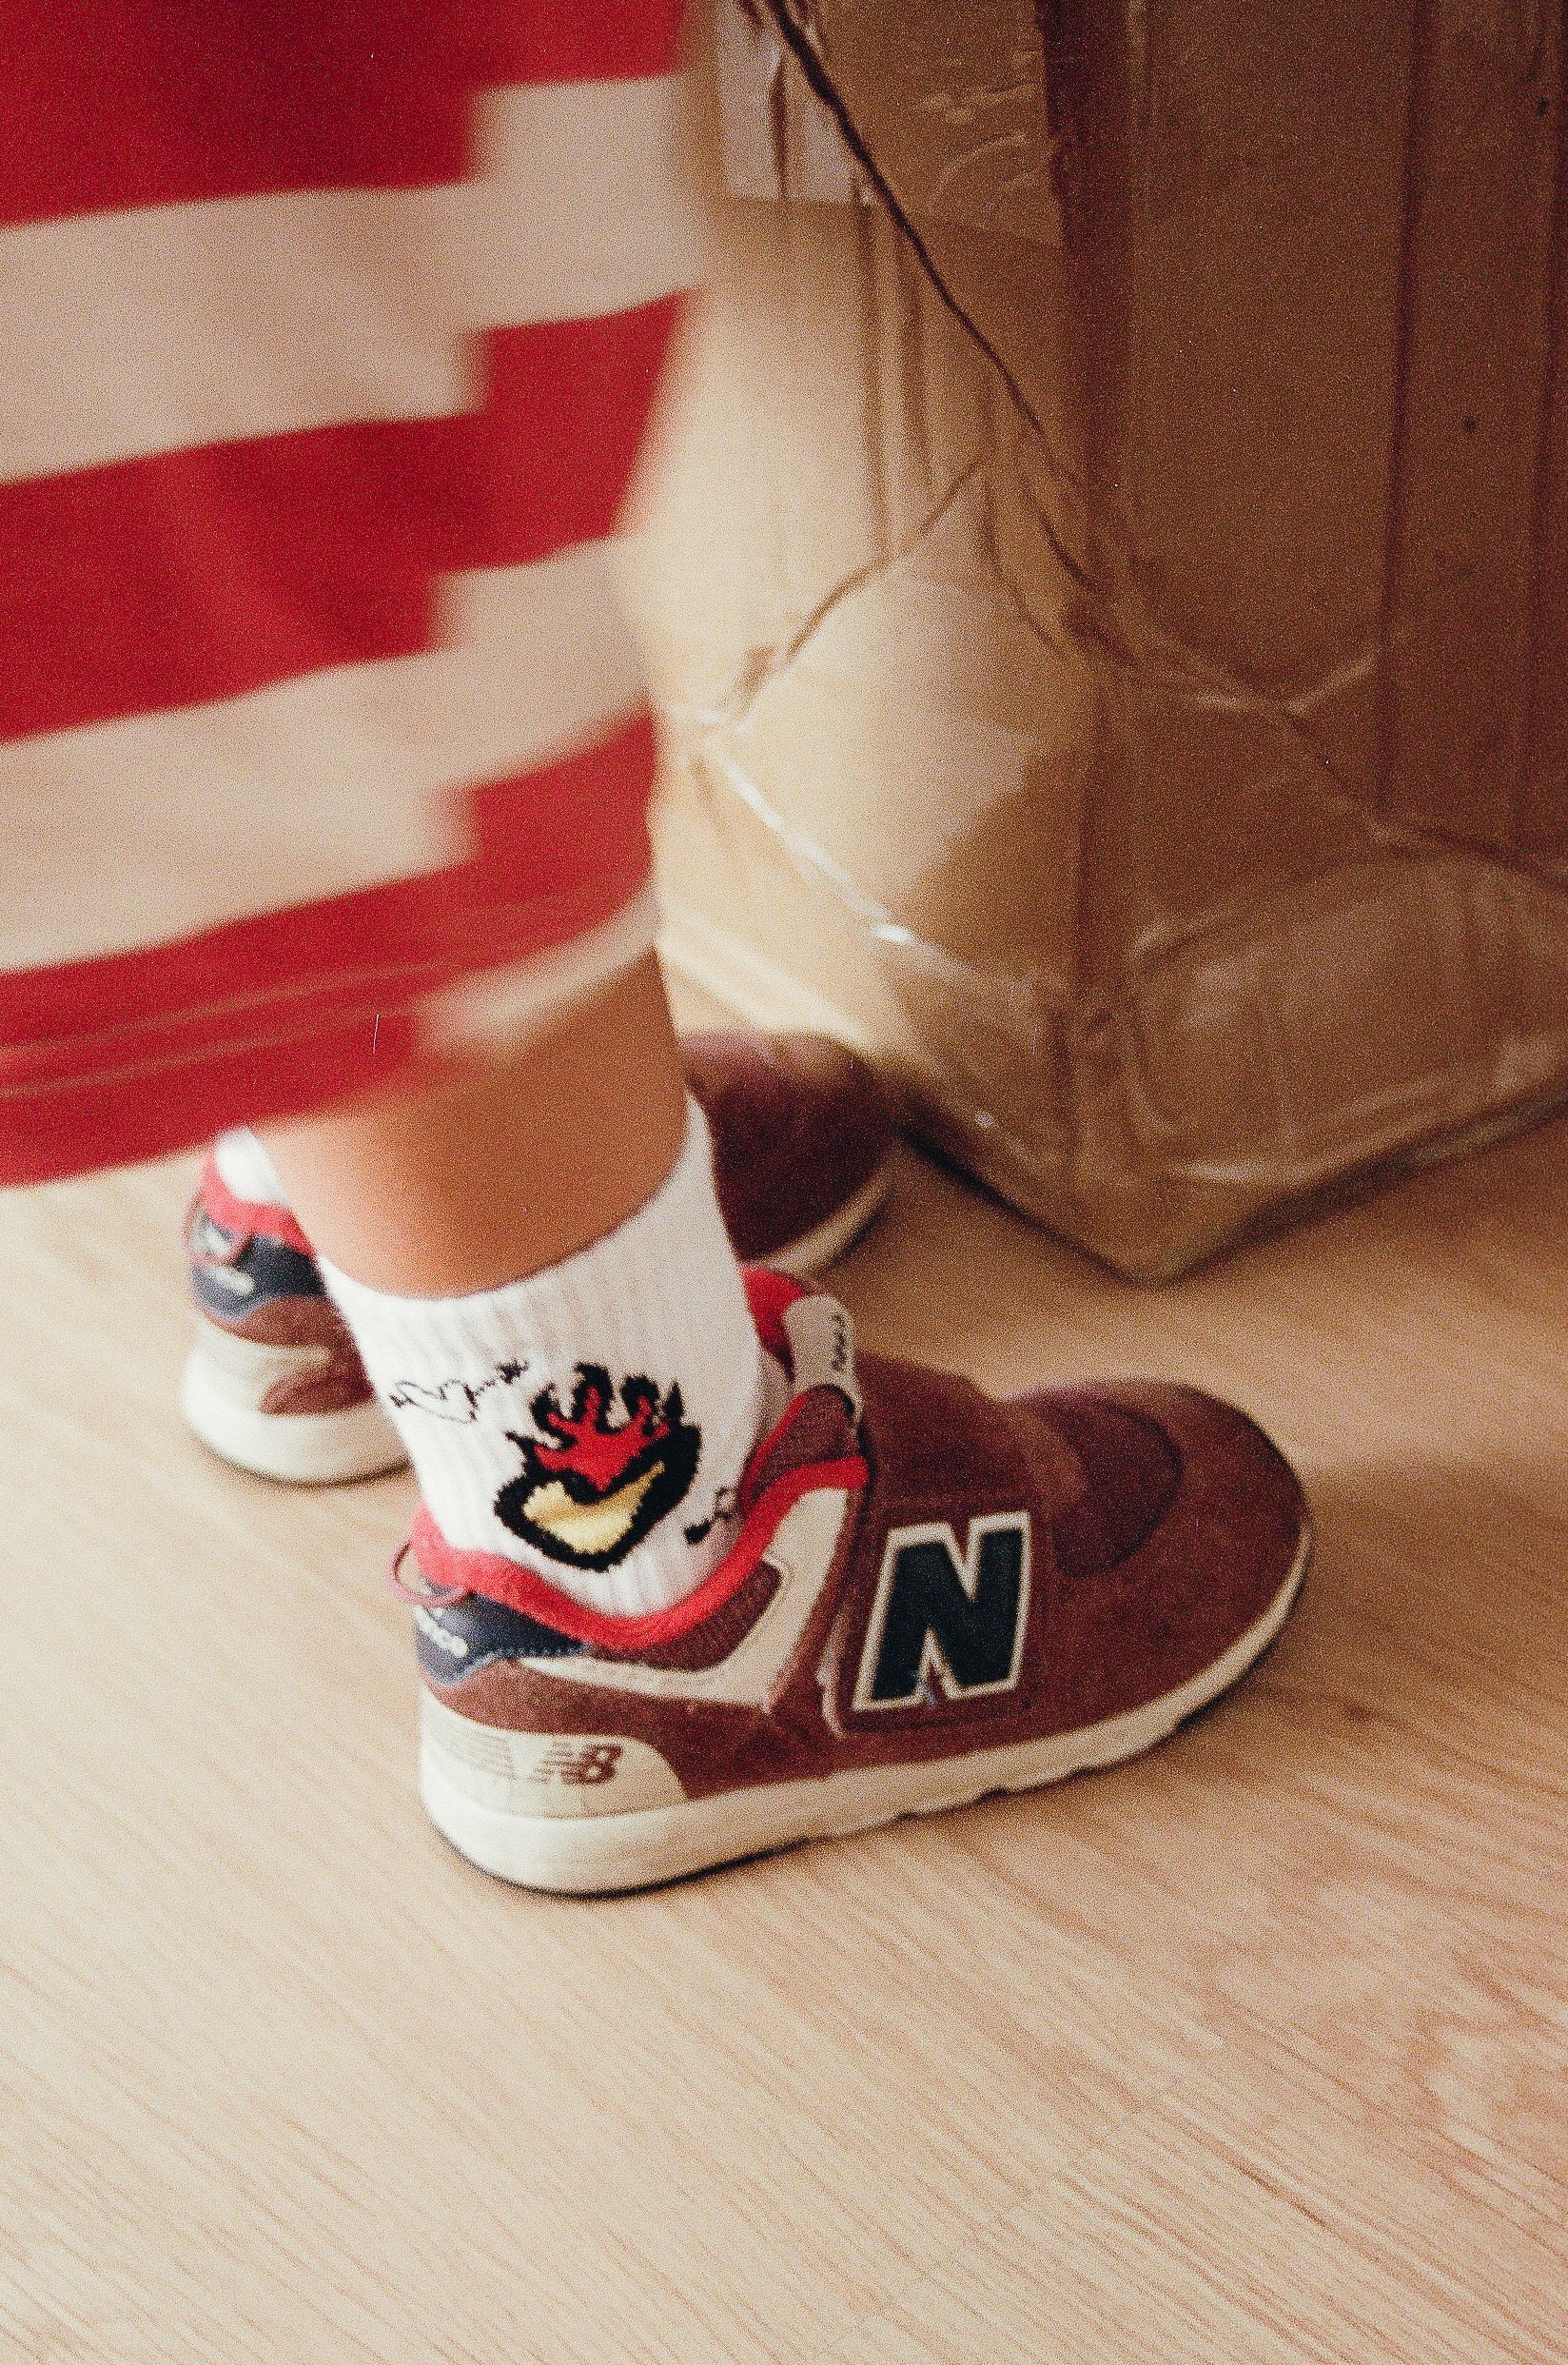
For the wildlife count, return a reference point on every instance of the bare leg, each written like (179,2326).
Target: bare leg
(485,1180)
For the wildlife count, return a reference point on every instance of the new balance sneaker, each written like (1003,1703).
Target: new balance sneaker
(803,1140)
(932,1595)
(274,1381)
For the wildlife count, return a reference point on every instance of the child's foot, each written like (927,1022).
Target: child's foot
(803,1161)
(932,1595)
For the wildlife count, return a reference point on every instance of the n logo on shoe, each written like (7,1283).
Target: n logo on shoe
(948,1619)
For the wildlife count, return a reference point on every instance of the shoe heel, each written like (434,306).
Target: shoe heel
(220,1391)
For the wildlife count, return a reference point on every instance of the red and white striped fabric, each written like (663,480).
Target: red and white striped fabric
(327,338)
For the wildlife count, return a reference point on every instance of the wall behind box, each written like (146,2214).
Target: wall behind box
(1106,580)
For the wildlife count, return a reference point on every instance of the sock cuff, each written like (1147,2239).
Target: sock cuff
(245,1167)
(592,1418)
(691,1175)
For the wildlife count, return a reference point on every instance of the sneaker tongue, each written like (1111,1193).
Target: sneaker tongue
(820,1421)
(822,1348)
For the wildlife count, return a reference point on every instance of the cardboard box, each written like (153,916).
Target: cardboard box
(1106,578)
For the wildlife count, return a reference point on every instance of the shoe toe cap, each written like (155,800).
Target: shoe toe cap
(1185,1525)
(1131,1472)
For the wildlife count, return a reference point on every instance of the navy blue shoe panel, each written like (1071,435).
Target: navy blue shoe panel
(264,1270)
(465,1635)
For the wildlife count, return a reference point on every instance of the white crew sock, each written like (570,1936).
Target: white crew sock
(245,1167)
(520,1407)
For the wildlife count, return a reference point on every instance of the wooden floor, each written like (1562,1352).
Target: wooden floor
(1255,2050)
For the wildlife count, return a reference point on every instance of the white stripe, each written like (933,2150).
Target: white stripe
(599,195)
(151,827)
(504,1008)
(126,334)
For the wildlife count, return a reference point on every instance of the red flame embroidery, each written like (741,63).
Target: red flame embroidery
(643,1462)
(591,1447)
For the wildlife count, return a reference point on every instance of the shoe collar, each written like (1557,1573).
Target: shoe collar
(244,1219)
(814,1443)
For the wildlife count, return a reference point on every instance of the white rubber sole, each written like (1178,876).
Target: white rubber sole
(816,1249)
(301,1449)
(587,1854)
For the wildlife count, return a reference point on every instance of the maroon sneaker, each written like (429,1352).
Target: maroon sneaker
(274,1381)
(803,1140)
(932,1595)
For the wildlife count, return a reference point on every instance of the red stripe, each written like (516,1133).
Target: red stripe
(122,1118)
(200,575)
(108,105)
(112,104)
(143,1052)
(566,406)
(518,1588)
(579,41)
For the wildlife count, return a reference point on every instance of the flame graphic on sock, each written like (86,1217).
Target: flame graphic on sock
(590,1444)
(605,1470)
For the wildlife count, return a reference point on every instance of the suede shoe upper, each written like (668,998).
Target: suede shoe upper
(951,1573)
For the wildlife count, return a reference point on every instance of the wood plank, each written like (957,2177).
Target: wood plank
(1254,2048)
(1267,2216)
